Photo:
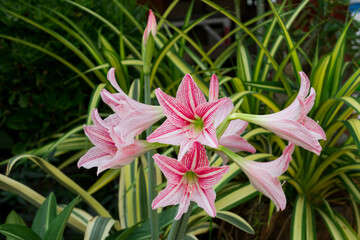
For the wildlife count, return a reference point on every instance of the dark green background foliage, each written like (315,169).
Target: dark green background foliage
(38,94)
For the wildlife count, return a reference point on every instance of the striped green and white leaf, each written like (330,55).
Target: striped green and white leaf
(98,228)
(235,220)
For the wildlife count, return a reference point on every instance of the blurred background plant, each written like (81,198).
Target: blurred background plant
(55,55)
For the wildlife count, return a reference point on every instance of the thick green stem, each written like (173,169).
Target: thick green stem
(222,127)
(244,116)
(151,170)
(178,227)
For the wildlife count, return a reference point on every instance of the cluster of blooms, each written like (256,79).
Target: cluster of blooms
(191,122)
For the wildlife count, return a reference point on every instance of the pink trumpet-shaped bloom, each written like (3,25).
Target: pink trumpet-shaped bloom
(110,151)
(190,117)
(134,117)
(231,137)
(191,179)
(292,123)
(264,176)
(151,27)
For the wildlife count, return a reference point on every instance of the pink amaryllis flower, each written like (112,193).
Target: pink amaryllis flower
(264,175)
(231,137)
(292,123)
(110,150)
(151,27)
(190,117)
(191,179)
(134,117)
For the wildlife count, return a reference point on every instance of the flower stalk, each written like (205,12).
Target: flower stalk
(178,227)
(147,52)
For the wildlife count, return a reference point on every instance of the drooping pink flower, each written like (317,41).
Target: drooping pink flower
(292,123)
(110,150)
(191,179)
(231,137)
(134,117)
(264,176)
(190,117)
(151,27)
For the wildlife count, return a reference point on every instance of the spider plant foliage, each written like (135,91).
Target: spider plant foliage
(319,188)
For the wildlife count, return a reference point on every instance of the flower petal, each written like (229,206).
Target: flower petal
(111,77)
(190,94)
(183,205)
(176,112)
(304,87)
(236,127)
(223,112)
(171,168)
(195,158)
(205,198)
(167,133)
(208,137)
(208,110)
(93,158)
(100,138)
(236,143)
(264,176)
(171,195)
(214,88)
(184,147)
(209,176)
(126,155)
(315,128)
(151,27)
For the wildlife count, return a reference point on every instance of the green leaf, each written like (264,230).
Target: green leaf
(64,180)
(351,101)
(34,198)
(57,226)
(235,220)
(111,26)
(310,222)
(18,232)
(331,225)
(124,233)
(57,57)
(98,228)
(115,62)
(346,227)
(294,56)
(353,125)
(14,218)
(105,178)
(94,101)
(298,226)
(44,215)
(350,186)
(190,236)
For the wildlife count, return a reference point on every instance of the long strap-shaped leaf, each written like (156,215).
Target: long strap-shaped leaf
(63,180)
(98,228)
(112,27)
(34,198)
(57,57)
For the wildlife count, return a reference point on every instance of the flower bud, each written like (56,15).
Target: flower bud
(150,28)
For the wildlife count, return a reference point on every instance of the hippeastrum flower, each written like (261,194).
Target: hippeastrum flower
(189,117)
(231,137)
(151,27)
(191,179)
(292,123)
(110,150)
(134,117)
(264,175)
